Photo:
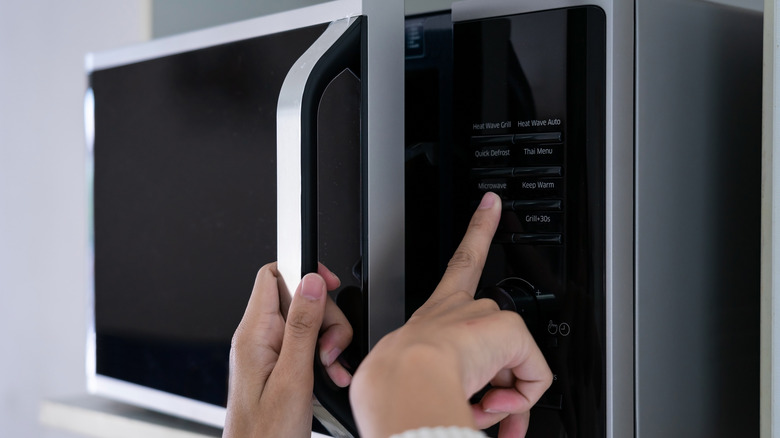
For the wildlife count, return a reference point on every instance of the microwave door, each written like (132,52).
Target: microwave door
(182,172)
(319,174)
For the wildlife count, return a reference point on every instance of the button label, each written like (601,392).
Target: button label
(544,151)
(503,124)
(537,218)
(532,222)
(490,186)
(493,153)
(532,154)
(533,185)
(538,123)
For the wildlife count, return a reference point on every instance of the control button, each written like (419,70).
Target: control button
(551,400)
(498,172)
(533,205)
(536,238)
(493,139)
(531,137)
(548,304)
(527,205)
(538,137)
(509,172)
(503,238)
(564,329)
(527,238)
(538,171)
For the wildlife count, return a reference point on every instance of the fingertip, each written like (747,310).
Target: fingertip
(313,287)
(329,357)
(331,279)
(333,341)
(514,425)
(484,419)
(339,375)
(489,199)
(506,400)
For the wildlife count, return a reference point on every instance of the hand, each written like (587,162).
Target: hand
(271,373)
(423,374)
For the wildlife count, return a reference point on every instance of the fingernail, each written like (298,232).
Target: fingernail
(331,356)
(487,201)
(312,287)
(334,276)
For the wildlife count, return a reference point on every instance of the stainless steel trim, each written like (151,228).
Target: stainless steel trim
(288,154)
(89,135)
(161,401)
(770,233)
(385,167)
(620,336)
(696,275)
(266,25)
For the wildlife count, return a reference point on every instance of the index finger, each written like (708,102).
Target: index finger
(465,267)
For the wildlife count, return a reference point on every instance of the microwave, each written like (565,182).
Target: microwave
(622,137)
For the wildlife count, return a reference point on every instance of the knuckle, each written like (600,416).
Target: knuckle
(548,377)
(301,324)
(267,269)
(514,319)
(488,305)
(462,296)
(347,331)
(463,259)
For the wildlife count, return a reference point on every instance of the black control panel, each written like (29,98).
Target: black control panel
(530,126)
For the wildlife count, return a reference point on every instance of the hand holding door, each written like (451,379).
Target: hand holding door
(271,379)
(422,374)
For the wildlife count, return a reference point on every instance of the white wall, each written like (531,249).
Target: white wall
(42,195)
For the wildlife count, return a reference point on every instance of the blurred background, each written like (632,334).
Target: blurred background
(43,210)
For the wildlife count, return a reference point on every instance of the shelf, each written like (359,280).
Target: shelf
(100,418)
(93,416)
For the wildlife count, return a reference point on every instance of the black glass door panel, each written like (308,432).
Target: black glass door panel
(184,207)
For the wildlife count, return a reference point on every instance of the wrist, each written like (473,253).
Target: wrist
(416,387)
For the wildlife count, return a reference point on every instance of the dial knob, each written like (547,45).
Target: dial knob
(518,295)
(514,294)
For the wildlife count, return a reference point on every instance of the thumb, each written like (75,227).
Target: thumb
(301,331)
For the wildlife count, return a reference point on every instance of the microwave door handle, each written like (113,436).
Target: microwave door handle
(337,49)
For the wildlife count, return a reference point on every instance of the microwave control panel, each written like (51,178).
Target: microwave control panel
(530,126)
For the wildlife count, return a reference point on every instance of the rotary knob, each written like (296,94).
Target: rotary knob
(518,295)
